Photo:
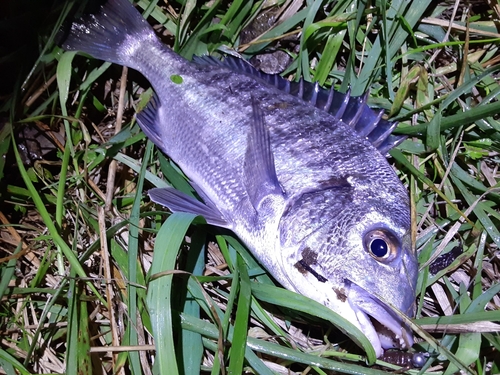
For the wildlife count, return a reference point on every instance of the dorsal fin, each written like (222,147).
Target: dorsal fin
(353,111)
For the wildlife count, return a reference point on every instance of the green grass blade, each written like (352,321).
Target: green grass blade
(449,107)
(72,354)
(469,317)
(478,210)
(167,244)
(275,350)
(7,271)
(328,57)
(53,230)
(277,31)
(133,271)
(468,351)
(4,147)
(298,302)
(238,346)
(11,365)
(191,343)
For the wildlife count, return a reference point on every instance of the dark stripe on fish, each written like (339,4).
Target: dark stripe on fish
(309,257)
(306,267)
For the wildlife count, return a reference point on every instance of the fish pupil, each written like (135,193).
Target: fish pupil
(379,248)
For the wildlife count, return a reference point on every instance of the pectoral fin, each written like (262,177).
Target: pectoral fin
(261,181)
(148,121)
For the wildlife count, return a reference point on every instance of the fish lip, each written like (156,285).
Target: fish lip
(380,324)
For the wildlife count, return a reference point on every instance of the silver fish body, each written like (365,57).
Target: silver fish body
(317,204)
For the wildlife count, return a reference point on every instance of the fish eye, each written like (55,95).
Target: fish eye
(381,244)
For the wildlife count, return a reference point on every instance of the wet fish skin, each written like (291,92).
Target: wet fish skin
(307,195)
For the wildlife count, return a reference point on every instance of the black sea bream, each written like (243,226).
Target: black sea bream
(289,168)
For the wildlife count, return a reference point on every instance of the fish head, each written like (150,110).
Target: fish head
(354,256)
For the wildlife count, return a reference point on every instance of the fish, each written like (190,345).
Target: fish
(297,172)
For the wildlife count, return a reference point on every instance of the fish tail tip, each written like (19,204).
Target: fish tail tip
(104,32)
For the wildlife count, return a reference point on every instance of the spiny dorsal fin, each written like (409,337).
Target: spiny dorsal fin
(353,111)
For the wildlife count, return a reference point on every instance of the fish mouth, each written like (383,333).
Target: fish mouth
(380,324)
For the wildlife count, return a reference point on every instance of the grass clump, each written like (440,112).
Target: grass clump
(82,289)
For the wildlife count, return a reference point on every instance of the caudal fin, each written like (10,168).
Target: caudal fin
(110,34)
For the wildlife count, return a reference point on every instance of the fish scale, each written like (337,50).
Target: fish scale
(293,170)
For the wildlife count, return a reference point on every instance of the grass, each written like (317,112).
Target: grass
(82,289)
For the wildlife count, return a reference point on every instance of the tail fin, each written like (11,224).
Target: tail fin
(111,33)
